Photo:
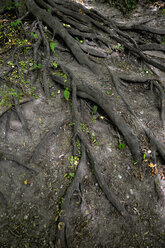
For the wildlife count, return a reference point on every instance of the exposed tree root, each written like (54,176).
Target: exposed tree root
(94,93)
(74,191)
(67,21)
(156,145)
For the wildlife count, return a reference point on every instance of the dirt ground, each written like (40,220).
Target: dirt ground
(35,172)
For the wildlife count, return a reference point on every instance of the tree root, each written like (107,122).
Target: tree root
(94,93)
(74,190)
(58,29)
(154,142)
(68,20)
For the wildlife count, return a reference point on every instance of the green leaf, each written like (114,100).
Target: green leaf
(66,94)
(39,66)
(108,93)
(71,174)
(34,35)
(52,46)
(55,65)
(95,107)
(64,76)
(16,23)
(121,146)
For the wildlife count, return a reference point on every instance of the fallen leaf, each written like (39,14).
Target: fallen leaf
(151,165)
(60,225)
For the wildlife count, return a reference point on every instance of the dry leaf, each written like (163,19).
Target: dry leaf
(60,225)
(151,165)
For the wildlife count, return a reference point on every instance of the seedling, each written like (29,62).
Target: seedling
(55,65)
(107,92)
(95,107)
(39,66)
(52,46)
(144,156)
(66,94)
(121,146)
(119,47)
(34,35)
(16,24)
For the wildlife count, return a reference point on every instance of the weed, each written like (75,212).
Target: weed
(78,147)
(52,46)
(52,94)
(163,40)
(119,47)
(163,12)
(39,66)
(107,92)
(84,128)
(66,94)
(144,156)
(34,35)
(121,146)
(95,107)
(16,24)
(13,5)
(55,65)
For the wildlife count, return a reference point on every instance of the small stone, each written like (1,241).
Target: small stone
(25,217)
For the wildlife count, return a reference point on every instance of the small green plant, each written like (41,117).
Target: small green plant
(78,148)
(85,129)
(107,92)
(103,85)
(163,12)
(52,94)
(119,47)
(69,175)
(121,146)
(66,94)
(55,65)
(13,5)
(163,40)
(16,24)
(11,64)
(95,107)
(52,46)
(144,156)
(34,35)
(39,66)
